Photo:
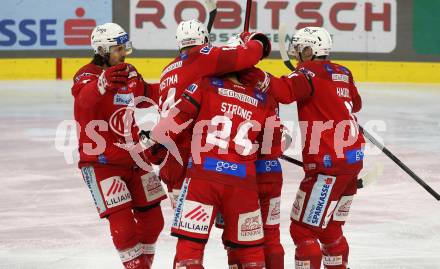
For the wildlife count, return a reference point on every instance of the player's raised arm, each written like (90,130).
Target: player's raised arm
(286,89)
(180,116)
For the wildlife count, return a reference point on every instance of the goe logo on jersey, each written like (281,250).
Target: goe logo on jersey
(318,200)
(225,167)
(267,166)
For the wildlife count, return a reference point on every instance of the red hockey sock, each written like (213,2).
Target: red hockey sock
(334,247)
(308,253)
(246,257)
(273,250)
(123,231)
(149,225)
(189,254)
(336,254)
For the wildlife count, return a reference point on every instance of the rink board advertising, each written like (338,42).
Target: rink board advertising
(356,26)
(49,24)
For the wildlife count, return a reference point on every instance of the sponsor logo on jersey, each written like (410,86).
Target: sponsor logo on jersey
(192,88)
(267,166)
(225,167)
(318,200)
(298,205)
(121,121)
(123,99)
(250,226)
(115,192)
(327,160)
(180,202)
(343,208)
(171,67)
(354,156)
(239,96)
(340,77)
(152,187)
(216,82)
(196,217)
(206,50)
(273,218)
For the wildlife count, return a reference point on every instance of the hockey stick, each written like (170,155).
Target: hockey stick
(247,17)
(282,42)
(399,163)
(388,153)
(369,178)
(211,6)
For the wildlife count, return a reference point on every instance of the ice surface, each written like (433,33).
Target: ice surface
(48,220)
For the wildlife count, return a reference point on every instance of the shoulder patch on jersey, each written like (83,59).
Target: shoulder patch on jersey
(260,96)
(345,70)
(192,88)
(184,55)
(328,68)
(206,50)
(216,82)
(340,77)
(123,99)
(171,67)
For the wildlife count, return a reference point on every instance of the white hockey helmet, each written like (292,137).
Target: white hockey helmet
(317,38)
(107,35)
(191,33)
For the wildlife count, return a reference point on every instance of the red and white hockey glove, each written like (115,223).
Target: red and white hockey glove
(255,77)
(267,46)
(113,78)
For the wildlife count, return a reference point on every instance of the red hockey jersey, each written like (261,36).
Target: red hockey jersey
(189,66)
(229,120)
(331,139)
(105,121)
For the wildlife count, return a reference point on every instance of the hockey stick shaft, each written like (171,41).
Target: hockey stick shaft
(211,6)
(360,182)
(247,17)
(399,163)
(212,15)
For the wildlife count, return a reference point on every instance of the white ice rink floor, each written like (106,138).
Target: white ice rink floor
(48,220)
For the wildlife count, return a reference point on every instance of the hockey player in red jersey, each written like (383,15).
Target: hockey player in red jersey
(332,149)
(129,197)
(197,59)
(269,180)
(229,119)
